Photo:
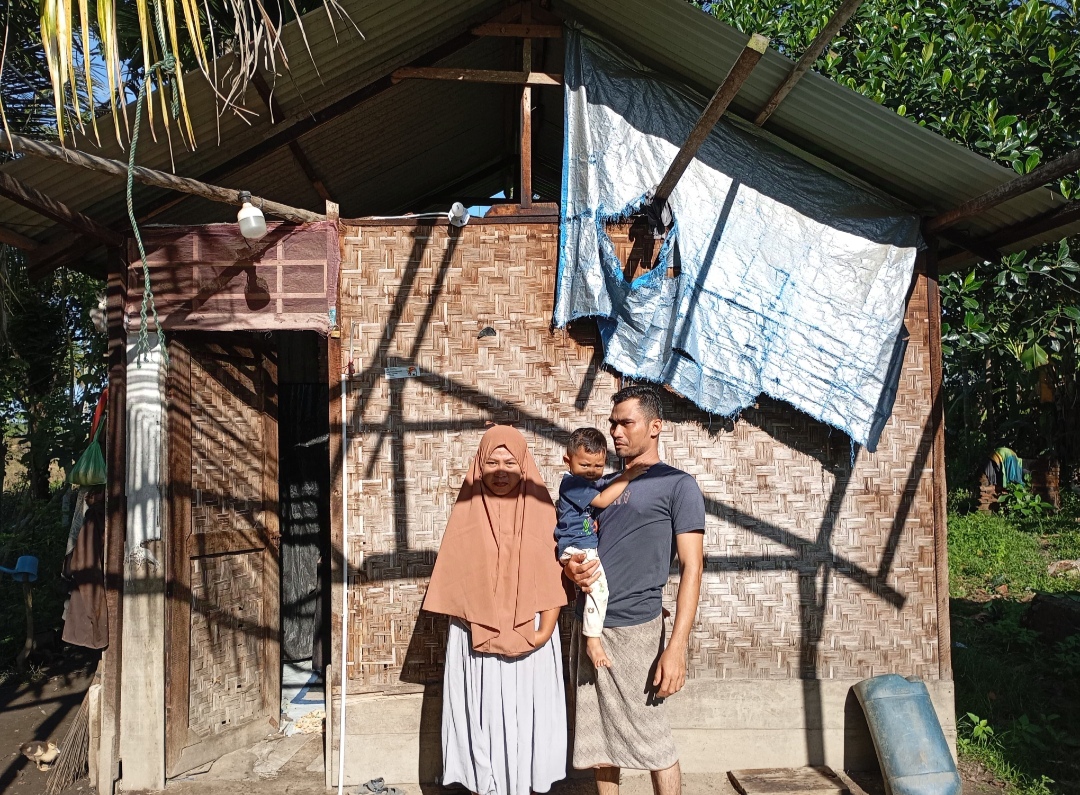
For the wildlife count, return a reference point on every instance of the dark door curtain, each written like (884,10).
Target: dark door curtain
(305,515)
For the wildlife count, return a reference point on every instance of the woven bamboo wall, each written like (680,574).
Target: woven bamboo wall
(805,574)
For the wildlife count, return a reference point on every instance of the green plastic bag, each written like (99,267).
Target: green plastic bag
(89,470)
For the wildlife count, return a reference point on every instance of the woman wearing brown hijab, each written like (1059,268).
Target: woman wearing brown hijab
(504,708)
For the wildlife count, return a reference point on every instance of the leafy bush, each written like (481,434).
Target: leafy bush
(1018,499)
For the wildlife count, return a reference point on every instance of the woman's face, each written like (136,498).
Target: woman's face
(502,472)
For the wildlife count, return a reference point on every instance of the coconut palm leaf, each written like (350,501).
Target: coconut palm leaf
(172,36)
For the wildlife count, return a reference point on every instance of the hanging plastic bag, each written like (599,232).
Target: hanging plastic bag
(89,470)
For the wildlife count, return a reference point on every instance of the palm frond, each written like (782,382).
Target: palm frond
(225,41)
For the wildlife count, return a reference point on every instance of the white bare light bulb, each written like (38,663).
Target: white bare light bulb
(252,221)
(458,215)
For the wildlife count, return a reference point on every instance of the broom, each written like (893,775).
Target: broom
(73,762)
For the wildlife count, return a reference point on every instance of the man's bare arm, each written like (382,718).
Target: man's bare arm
(671,667)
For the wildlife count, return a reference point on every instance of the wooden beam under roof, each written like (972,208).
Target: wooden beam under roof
(725,93)
(1049,222)
(147,176)
(519,30)
(525,115)
(1033,180)
(18,240)
(809,58)
(503,77)
(308,123)
(31,198)
(298,153)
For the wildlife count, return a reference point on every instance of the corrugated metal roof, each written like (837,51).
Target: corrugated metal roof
(418,137)
(819,116)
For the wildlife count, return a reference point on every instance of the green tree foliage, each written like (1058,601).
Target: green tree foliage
(52,367)
(1002,78)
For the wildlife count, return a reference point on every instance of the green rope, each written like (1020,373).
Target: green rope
(163,67)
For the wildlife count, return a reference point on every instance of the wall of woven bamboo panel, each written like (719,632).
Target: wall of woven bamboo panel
(815,567)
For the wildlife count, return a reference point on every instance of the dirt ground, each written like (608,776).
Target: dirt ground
(41,709)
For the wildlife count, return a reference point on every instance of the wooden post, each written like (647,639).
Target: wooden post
(115,527)
(940,488)
(813,52)
(22,658)
(149,176)
(1044,174)
(719,103)
(526,116)
(23,194)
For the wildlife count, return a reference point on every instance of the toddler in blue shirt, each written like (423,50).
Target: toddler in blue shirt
(583,493)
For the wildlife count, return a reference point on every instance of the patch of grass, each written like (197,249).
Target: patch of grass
(1017,696)
(987,551)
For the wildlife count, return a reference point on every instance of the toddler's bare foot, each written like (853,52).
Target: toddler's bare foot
(595,650)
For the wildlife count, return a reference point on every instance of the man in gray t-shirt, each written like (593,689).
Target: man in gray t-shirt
(620,721)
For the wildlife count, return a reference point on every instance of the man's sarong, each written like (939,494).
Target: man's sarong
(618,719)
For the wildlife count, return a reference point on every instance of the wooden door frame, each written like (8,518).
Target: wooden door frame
(179,755)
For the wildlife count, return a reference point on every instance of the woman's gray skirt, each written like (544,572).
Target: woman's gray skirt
(504,719)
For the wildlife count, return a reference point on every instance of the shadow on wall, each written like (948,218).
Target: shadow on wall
(816,564)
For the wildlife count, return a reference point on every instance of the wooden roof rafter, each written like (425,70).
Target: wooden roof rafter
(68,250)
(21,193)
(267,96)
(846,10)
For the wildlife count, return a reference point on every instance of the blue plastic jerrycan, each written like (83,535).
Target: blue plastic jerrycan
(911,747)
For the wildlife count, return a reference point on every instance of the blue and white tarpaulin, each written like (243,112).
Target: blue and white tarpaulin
(790,282)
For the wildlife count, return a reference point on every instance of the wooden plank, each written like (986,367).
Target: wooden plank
(147,176)
(334,367)
(1049,222)
(115,526)
(516,211)
(21,193)
(177,566)
(525,146)
(519,30)
(13,238)
(940,488)
(1043,175)
(819,780)
(203,544)
(719,103)
(477,76)
(271,529)
(503,214)
(813,52)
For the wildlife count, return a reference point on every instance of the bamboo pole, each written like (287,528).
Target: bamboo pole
(149,176)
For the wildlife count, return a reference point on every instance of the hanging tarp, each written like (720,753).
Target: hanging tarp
(789,281)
